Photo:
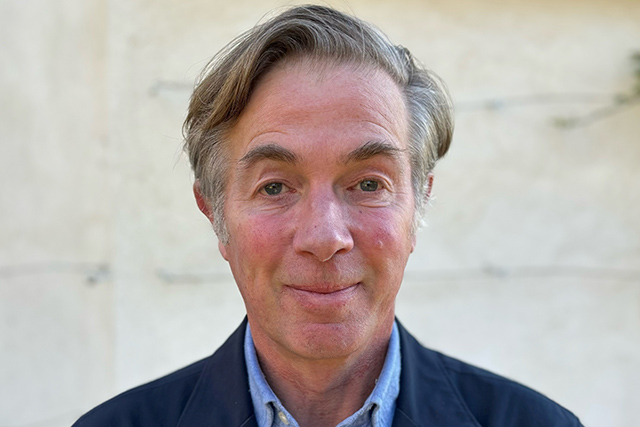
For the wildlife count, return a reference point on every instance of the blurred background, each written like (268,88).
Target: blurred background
(529,264)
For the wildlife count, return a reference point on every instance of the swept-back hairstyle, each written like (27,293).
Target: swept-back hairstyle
(323,34)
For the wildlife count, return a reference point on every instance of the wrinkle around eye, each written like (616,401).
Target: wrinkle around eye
(381,196)
(372,185)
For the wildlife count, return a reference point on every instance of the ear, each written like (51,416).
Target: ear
(203,205)
(205,208)
(427,195)
(223,250)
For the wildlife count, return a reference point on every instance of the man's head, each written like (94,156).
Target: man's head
(312,139)
(321,36)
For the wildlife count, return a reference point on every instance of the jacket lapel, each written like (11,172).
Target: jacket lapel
(221,396)
(426,396)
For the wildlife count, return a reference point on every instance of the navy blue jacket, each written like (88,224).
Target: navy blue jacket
(435,391)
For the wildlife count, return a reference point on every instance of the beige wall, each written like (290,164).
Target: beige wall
(109,276)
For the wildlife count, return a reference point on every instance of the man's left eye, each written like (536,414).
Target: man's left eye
(369,185)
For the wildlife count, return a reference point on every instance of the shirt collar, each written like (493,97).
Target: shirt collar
(377,411)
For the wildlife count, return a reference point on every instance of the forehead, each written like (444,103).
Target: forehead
(326,101)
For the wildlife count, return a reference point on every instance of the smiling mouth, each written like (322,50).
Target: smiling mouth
(321,298)
(323,290)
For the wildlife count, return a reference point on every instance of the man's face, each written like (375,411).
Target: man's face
(319,206)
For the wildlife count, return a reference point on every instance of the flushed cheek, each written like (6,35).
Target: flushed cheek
(262,237)
(257,248)
(382,228)
(254,258)
(387,244)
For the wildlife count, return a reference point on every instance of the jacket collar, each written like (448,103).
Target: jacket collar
(427,397)
(221,396)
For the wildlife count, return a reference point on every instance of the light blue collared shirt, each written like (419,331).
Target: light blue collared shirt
(377,410)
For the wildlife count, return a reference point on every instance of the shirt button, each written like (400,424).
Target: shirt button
(283,418)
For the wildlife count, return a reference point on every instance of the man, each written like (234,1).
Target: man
(312,139)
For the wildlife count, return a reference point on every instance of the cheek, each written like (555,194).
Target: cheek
(257,241)
(386,229)
(386,240)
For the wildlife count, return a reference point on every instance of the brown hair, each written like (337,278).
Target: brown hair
(321,33)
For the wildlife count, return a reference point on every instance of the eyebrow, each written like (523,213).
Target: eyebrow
(268,152)
(280,154)
(372,149)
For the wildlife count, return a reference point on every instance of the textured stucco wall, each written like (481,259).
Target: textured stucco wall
(109,276)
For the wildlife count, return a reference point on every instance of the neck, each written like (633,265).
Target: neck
(323,392)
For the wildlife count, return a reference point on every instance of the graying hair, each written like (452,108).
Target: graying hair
(323,34)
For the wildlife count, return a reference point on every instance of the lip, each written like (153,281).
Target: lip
(319,297)
(323,289)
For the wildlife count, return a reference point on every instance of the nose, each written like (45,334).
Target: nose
(323,227)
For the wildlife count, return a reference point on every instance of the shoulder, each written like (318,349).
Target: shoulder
(472,395)
(212,392)
(158,403)
(497,401)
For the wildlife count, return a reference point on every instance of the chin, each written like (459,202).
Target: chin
(328,340)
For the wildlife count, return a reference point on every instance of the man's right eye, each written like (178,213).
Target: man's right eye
(273,188)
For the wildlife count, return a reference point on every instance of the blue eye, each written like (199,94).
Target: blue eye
(368,185)
(273,188)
